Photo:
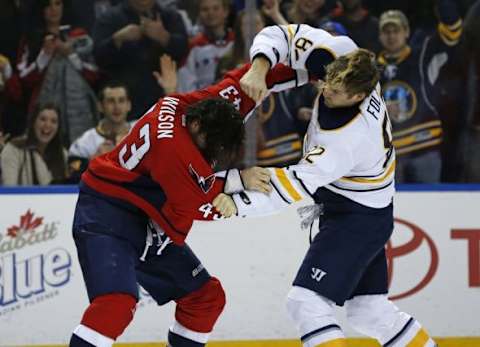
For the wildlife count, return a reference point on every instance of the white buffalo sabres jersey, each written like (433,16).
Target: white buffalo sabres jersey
(346,150)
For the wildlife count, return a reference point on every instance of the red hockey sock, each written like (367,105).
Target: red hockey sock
(110,314)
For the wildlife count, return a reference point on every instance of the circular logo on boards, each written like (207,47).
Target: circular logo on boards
(420,249)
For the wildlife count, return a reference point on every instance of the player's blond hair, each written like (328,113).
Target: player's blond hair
(357,72)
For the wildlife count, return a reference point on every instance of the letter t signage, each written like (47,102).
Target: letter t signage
(473,238)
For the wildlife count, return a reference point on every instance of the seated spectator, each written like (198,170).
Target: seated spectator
(412,97)
(37,158)
(129,39)
(55,64)
(207,47)
(114,104)
(362,27)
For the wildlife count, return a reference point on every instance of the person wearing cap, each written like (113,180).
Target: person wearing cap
(410,80)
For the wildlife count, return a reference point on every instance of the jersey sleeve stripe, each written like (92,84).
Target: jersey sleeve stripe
(302,184)
(361,190)
(277,190)
(287,185)
(382,178)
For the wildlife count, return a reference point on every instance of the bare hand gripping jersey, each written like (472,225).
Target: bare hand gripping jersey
(158,168)
(346,150)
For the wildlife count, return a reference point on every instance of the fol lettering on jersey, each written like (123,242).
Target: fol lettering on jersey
(166,117)
(205,183)
(318,274)
(374,106)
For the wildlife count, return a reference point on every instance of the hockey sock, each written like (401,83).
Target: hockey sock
(85,337)
(327,336)
(175,340)
(410,334)
(105,319)
(76,341)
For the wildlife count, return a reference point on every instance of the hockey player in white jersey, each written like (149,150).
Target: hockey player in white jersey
(348,170)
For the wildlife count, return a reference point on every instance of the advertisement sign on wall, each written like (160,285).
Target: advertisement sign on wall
(433,258)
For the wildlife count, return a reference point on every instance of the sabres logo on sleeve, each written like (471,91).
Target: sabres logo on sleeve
(205,183)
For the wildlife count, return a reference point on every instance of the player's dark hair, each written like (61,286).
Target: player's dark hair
(223,126)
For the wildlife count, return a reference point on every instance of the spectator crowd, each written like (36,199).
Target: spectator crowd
(76,74)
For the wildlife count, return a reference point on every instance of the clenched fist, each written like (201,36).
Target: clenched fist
(256,178)
(254,82)
(225,205)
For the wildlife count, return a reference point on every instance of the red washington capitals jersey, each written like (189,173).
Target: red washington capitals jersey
(159,169)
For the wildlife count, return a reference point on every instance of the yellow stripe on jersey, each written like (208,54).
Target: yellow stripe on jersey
(417,127)
(449,36)
(283,138)
(285,182)
(291,32)
(419,340)
(270,152)
(382,178)
(448,32)
(279,160)
(417,147)
(410,140)
(456,25)
(334,343)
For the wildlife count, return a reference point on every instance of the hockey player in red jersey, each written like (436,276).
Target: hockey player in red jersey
(137,204)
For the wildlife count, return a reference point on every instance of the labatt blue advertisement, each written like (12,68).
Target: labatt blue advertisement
(28,277)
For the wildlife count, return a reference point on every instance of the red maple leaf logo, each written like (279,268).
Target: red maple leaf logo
(27,223)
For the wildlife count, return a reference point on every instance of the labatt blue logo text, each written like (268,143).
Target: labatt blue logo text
(24,274)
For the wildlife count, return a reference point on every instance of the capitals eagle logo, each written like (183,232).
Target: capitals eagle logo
(205,183)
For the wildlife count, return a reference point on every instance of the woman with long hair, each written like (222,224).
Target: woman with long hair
(38,157)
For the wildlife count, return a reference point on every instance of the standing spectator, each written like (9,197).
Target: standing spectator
(37,158)
(361,26)
(411,98)
(55,63)
(130,38)
(114,104)
(207,47)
